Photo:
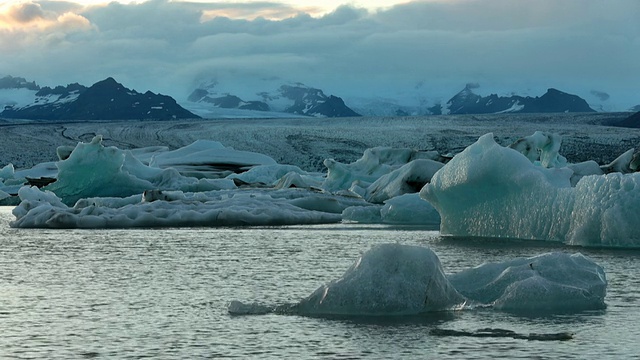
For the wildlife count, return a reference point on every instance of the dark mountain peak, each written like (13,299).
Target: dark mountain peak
(554,100)
(311,101)
(105,100)
(300,92)
(306,101)
(227,101)
(108,86)
(464,101)
(61,90)
(108,82)
(198,95)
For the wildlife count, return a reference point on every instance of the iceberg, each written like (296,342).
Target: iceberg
(525,191)
(93,170)
(389,279)
(407,209)
(409,178)
(400,280)
(211,159)
(493,191)
(552,282)
(373,164)
(43,209)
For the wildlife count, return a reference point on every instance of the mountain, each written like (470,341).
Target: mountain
(104,100)
(553,101)
(296,99)
(227,101)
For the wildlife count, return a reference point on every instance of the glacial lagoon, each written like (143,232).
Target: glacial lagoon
(164,294)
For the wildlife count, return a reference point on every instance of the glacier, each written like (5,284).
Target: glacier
(399,280)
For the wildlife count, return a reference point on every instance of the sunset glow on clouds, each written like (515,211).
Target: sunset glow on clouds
(168,46)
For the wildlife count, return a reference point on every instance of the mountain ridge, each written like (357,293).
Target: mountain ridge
(553,101)
(105,100)
(262,98)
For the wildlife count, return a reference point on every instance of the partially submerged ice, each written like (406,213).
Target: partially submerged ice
(549,282)
(493,191)
(389,279)
(397,280)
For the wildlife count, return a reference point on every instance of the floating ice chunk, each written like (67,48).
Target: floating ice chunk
(583,169)
(549,282)
(43,209)
(409,209)
(374,163)
(542,147)
(606,211)
(145,154)
(621,164)
(492,191)
(7,172)
(206,158)
(93,170)
(389,279)
(292,179)
(42,170)
(267,174)
(395,279)
(409,178)
(363,214)
(36,206)
(4,195)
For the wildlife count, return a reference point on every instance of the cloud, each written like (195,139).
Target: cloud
(167,46)
(603,96)
(25,13)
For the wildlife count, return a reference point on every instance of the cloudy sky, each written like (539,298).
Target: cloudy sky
(347,48)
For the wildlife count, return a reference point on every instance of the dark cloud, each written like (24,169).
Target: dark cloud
(603,96)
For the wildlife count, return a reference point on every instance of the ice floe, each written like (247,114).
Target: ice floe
(396,280)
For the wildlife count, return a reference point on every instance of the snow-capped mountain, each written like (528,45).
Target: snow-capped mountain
(296,98)
(553,101)
(104,100)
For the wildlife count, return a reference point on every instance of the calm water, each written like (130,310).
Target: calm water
(163,294)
